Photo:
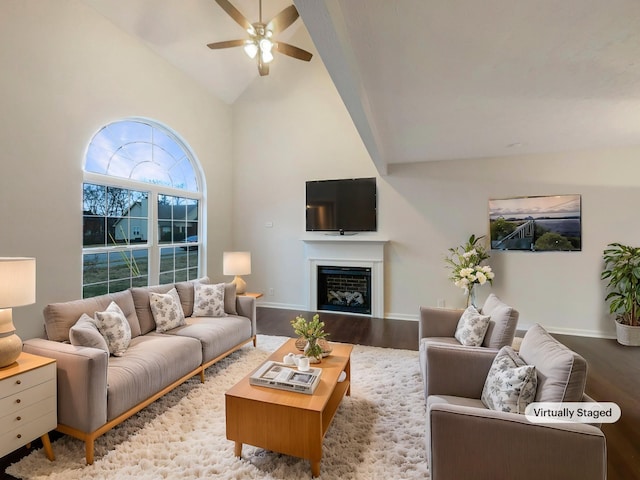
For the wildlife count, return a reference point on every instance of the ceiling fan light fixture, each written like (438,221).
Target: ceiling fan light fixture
(250,48)
(267,56)
(266,45)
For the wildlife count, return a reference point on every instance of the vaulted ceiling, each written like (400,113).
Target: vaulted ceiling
(429,80)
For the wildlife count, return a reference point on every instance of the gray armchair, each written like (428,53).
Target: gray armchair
(467,440)
(438,325)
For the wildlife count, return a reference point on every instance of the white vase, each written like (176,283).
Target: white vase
(471,297)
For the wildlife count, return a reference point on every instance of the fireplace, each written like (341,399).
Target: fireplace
(363,253)
(344,289)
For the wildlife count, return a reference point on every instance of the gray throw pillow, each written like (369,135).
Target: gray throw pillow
(85,333)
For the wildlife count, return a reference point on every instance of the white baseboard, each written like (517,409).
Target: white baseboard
(576,332)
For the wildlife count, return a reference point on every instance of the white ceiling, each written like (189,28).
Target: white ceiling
(435,79)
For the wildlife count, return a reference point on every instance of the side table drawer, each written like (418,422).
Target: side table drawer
(28,414)
(16,438)
(22,381)
(23,399)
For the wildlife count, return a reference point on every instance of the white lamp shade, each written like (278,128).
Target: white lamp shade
(17,281)
(236,263)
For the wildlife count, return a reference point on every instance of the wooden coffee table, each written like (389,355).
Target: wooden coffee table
(289,422)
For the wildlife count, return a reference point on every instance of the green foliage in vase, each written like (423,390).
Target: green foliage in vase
(311,331)
(622,270)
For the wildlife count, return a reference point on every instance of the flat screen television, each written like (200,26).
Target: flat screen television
(345,205)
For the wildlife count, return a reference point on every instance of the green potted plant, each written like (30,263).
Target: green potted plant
(622,270)
(312,332)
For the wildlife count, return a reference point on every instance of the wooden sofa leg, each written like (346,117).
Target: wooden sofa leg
(202,376)
(255,341)
(89,449)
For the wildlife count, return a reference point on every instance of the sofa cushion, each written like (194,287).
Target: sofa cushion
(230,299)
(60,317)
(115,329)
(511,384)
(151,363)
(502,325)
(85,333)
(217,335)
(166,309)
(472,327)
(562,373)
(143,306)
(208,300)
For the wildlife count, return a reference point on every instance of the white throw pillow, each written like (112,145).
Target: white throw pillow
(472,327)
(208,300)
(167,310)
(511,384)
(115,329)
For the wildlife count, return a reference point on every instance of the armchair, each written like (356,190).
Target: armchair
(438,325)
(467,440)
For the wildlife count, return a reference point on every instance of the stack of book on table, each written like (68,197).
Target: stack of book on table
(286,377)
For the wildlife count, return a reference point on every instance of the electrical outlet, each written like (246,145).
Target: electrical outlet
(271,292)
(268,224)
(441,303)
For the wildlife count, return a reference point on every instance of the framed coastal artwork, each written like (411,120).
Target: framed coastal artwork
(536,224)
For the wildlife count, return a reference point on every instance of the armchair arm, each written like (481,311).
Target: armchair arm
(456,369)
(438,322)
(246,307)
(506,445)
(82,382)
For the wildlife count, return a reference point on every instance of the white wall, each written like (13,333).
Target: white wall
(66,72)
(292,126)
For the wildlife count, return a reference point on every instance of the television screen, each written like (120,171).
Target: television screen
(347,205)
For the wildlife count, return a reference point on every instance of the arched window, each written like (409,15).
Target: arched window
(142,209)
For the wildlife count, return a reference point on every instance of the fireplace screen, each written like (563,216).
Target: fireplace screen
(344,289)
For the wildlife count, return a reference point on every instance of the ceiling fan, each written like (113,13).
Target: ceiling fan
(260,44)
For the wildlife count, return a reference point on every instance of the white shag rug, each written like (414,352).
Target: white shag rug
(377,433)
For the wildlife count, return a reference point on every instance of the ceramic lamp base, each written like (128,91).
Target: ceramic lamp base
(241,285)
(10,349)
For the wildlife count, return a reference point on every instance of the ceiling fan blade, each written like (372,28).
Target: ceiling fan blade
(234,13)
(282,20)
(226,44)
(292,51)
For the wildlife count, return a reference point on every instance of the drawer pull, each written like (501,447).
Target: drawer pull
(18,400)
(19,435)
(19,418)
(18,382)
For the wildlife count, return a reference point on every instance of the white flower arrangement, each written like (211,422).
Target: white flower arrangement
(465,264)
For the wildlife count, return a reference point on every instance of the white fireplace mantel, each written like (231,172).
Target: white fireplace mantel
(346,251)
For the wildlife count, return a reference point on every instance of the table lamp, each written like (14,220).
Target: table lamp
(237,263)
(17,288)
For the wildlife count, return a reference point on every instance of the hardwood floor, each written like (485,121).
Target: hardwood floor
(613,376)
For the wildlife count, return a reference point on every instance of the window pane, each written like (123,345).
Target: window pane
(94,231)
(95,290)
(139,150)
(180,276)
(193,273)
(95,268)
(94,199)
(119,285)
(166,278)
(117,202)
(166,260)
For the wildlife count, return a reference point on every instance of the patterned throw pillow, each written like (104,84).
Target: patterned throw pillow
(167,310)
(208,300)
(115,329)
(511,384)
(472,327)
(85,333)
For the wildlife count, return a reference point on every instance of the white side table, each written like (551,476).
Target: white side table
(28,403)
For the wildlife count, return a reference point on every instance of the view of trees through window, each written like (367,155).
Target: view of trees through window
(137,230)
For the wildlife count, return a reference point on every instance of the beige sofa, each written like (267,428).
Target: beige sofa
(465,439)
(97,391)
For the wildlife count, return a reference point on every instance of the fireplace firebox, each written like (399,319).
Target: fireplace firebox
(344,289)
